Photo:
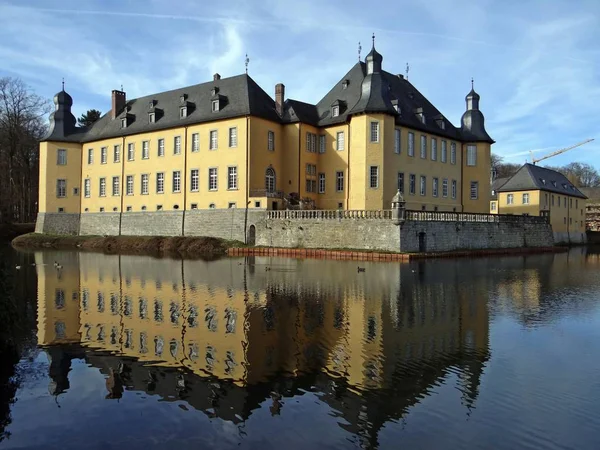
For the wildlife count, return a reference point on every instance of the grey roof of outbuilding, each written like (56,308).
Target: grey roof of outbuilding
(241,95)
(530,177)
(497,184)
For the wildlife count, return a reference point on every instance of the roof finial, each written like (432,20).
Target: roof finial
(472,84)
(246,62)
(121,88)
(359,50)
(373,40)
(407,69)
(63,84)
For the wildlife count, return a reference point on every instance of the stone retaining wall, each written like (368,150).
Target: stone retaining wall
(57,223)
(158,223)
(100,224)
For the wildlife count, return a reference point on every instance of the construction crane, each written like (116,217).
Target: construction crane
(557,152)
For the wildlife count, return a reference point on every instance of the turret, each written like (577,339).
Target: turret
(472,121)
(62,121)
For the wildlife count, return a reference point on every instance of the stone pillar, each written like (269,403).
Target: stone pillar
(398,209)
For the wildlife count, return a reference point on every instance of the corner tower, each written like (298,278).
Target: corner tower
(476,157)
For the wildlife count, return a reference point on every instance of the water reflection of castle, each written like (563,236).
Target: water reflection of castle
(226,336)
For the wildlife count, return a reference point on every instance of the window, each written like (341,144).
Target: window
(397,141)
(471,155)
(401,182)
(552,199)
(160,182)
(90,156)
(311,142)
(212,206)
(215,105)
(271,141)
(130,151)
(128,208)
(510,199)
(340,141)
(145,149)
(101,209)
(61,188)
(102,188)
(103,155)
(87,187)
(233,137)
(75,191)
(232,181)
(576,204)
(194,206)
(176,181)
(374,177)
(411,144)
(124,123)
(321,183)
(453,188)
(453,153)
(177,145)
(61,157)
(159,207)
(115,186)
(212,179)
(195,180)
(493,206)
(257,204)
(322,144)
(213,140)
(311,185)
(145,183)
(335,111)
(474,190)
(423,190)
(270,180)
(445,187)
(433,149)
(151,117)
(161,147)
(412,184)
(339,181)
(183,112)
(423,147)
(435,187)
(129,185)
(311,169)
(526,199)
(117,153)
(444,156)
(374,131)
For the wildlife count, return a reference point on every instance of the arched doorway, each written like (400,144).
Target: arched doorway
(251,235)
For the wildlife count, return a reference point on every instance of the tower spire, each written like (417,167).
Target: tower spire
(63,84)
(373,40)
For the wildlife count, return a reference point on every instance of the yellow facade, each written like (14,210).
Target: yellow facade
(51,172)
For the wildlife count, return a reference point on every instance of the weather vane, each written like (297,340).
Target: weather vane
(121,88)
(359,50)
(63,83)
(407,70)
(247,61)
(472,83)
(373,40)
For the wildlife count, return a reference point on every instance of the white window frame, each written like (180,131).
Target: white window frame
(116,186)
(213,179)
(232,178)
(322,143)
(103,155)
(510,199)
(215,105)
(525,198)
(145,149)
(411,144)
(131,151)
(423,146)
(471,155)
(129,187)
(160,182)
(493,206)
(177,145)
(90,158)
(321,183)
(397,141)
(444,156)
(474,190)
(433,149)
(271,141)
(61,157)
(374,131)
(453,189)
(195,142)
(161,147)
(423,185)
(151,117)
(445,187)
(340,141)
(213,140)
(339,178)
(453,153)
(183,112)
(374,177)
(117,153)
(412,184)
(176,181)
(145,186)
(435,186)
(102,187)
(61,188)
(124,122)
(400,182)
(335,111)
(195,180)
(87,188)
(233,141)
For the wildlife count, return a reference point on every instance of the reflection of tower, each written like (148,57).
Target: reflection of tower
(60,365)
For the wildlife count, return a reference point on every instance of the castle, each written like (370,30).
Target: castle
(228,144)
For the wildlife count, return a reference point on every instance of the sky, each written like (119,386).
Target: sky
(536,63)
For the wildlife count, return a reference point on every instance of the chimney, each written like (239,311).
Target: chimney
(279,98)
(118,103)
(216,77)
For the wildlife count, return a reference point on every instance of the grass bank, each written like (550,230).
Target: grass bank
(180,247)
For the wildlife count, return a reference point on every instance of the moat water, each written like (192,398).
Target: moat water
(135,352)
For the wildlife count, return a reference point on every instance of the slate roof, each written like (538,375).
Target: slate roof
(530,177)
(297,111)
(497,184)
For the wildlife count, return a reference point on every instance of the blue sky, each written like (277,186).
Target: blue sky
(536,63)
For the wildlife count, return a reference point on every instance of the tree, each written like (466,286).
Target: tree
(22,125)
(582,174)
(502,169)
(89,117)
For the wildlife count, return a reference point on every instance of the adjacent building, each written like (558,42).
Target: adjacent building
(538,191)
(227,144)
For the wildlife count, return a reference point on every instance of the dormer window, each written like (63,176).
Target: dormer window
(442,124)
(554,183)
(215,105)
(396,106)
(543,181)
(124,122)
(151,117)
(183,112)
(345,84)
(565,186)
(335,111)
